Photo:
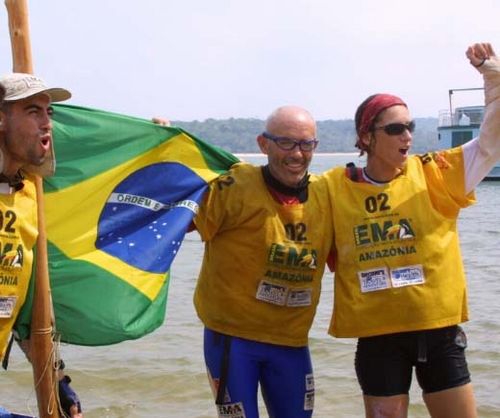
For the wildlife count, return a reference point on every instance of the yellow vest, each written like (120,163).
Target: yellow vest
(18,233)
(398,265)
(263,261)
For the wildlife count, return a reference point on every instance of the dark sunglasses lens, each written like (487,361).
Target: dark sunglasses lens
(398,128)
(395,128)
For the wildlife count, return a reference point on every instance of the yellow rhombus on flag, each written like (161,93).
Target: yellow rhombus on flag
(117,209)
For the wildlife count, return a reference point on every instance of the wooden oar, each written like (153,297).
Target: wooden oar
(41,352)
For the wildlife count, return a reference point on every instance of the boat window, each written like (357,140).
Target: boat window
(460,138)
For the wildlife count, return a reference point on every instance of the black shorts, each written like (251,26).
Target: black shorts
(384,364)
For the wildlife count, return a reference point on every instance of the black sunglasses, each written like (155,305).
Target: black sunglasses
(397,128)
(289,144)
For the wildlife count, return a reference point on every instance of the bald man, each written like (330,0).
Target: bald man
(259,285)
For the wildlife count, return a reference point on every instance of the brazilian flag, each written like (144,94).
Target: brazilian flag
(124,193)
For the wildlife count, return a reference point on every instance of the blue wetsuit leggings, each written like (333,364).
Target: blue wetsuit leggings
(237,366)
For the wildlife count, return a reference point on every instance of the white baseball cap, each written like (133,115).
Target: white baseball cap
(19,86)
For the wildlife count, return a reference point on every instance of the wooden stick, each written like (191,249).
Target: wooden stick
(41,343)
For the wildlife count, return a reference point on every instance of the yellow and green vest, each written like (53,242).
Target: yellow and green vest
(263,261)
(18,233)
(398,265)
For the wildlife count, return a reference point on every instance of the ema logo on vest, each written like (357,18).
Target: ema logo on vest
(11,258)
(373,233)
(143,222)
(287,256)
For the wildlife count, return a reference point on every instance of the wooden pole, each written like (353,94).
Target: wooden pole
(41,342)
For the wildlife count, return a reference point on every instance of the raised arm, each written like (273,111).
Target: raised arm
(480,155)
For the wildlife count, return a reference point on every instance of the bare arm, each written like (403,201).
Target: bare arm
(481,154)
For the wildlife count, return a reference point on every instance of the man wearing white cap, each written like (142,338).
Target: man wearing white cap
(25,149)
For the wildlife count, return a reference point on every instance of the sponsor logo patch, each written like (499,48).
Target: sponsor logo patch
(309,401)
(272,293)
(299,297)
(283,296)
(7,304)
(231,410)
(309,382)
(375,279)
(407,276)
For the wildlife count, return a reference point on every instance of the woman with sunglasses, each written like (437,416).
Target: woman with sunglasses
(399,279)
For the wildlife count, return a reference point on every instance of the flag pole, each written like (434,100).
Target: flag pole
(41,342)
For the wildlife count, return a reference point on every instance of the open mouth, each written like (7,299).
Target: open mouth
(45,142)
(404,151)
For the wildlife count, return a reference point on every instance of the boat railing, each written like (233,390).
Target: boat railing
(462,116)
(444,118)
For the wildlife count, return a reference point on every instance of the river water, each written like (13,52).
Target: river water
(163,375)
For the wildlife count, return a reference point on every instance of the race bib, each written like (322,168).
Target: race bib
(7,304)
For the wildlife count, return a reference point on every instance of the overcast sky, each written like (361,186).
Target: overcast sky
(198,59)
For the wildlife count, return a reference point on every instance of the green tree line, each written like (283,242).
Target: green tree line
(237,135)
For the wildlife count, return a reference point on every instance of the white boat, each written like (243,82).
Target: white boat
(458,125)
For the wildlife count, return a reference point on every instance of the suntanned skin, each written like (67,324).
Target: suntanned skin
(289,167)
(25,132)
